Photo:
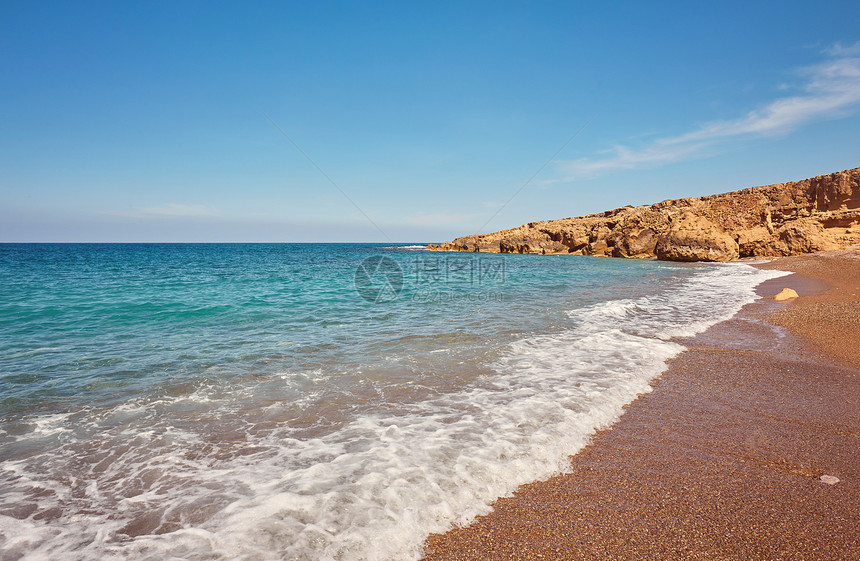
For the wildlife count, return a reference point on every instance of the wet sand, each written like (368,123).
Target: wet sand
(722,460)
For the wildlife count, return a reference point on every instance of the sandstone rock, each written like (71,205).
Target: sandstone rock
(829,479)
(574,238)
(755,242)
(600,232)
(598,247)
(695,238)
(785,294)
(529,240)
(782,219)
(636,243)
(804,236)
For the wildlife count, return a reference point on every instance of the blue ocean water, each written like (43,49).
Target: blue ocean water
(311,401)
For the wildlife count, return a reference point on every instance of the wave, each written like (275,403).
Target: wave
(228,472)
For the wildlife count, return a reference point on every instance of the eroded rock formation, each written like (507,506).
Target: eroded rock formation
(785,219)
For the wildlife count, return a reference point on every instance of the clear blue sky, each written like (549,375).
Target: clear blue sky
(124,121)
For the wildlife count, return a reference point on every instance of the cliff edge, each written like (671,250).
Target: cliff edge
(814,214)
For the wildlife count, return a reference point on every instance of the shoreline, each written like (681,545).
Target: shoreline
(722,460)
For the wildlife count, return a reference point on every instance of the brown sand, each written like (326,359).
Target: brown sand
(722,460)
(829,321)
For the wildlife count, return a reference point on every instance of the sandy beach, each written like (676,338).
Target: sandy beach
(724,459)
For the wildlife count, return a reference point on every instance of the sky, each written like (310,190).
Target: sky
(405,121)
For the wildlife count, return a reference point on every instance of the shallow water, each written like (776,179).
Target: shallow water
(279,401)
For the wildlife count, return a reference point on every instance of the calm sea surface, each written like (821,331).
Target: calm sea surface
(310,401)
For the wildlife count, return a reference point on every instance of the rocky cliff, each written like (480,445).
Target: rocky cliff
(788,218)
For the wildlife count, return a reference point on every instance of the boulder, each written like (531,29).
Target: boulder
(695,238)
(635,243)
(598,247)
(803,236)
(755,242)
(785,294)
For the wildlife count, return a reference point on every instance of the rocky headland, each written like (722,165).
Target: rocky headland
(816,214)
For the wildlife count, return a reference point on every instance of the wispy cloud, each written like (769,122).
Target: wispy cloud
(173,209)
(830,90)
(840,50)
(439,219)
(168,209)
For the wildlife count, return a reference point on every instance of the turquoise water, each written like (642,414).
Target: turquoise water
(310,401)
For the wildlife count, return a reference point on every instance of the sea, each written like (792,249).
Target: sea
(311,401)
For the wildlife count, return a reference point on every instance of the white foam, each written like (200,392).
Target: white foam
(372,490)
(207,482)
(716,294)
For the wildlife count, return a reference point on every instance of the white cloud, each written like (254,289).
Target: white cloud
(830,90)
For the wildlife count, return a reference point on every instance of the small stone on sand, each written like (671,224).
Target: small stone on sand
(785,294)
(829,479)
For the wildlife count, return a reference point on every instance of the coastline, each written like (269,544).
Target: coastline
(722,460)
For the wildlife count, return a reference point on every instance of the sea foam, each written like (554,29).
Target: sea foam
(216,473)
